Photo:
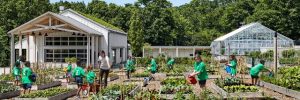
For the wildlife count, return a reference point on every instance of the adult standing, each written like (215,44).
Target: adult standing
(26,74)
(104,67)
(233,64)
(200,71)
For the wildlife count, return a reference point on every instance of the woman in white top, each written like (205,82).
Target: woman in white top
(104,67)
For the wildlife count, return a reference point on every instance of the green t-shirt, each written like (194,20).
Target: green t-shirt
(200,67)
(171,62)
(256,69)
(69,68)
(90,77)
(16,71)
(129,65)
(26,72)
(153,65)
(233,64)
(78,71)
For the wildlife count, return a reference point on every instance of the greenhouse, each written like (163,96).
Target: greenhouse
(251,37)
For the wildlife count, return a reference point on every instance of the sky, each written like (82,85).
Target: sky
(122,2)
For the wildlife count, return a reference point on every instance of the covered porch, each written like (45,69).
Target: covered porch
(50,38)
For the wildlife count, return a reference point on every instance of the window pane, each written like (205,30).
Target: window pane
(56,38)
(79,38)
(72,55)
(64,38)
(49,55)
(49,51)
(49,60)
(80,51)
(72,43)
(79,43)
(49,43)
(57,43)
(72,51)
(64,43)
(57,51)
(72,38)
(57,55)
(65,51)
(49,38)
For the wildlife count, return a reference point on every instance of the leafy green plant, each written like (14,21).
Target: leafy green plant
(6,77)
(5,87)
(240,88)
(46,93)
(113,92)
(287,77)
(143,74)
(174,81)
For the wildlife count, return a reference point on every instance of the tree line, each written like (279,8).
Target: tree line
(158,22)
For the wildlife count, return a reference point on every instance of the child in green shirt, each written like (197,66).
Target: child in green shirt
(200,71)
(171,63)
(233,64)
(129,66)
(90,77)
(254,71)
(17,72)
(26,73)
(68,72)
(78,74)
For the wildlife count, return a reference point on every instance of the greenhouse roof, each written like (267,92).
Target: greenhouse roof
(251,28)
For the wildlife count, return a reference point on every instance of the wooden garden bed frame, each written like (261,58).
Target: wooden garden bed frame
(47,85)
(225,94)
(61,96)
(10,94)
(283,90)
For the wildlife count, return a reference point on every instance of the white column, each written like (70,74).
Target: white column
(176,51)
(27,51)
(20,42)
(12,50)
(159,50)
(88,50)
(97,47)
(194,52)
(143,52)
(93,50)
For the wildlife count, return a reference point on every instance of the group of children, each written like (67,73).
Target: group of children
(23,73)
(254,71)
(79,73)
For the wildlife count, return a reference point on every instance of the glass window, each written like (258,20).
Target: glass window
(64,38)
(72,43)
(121,52)
(64,43)
(57,43)
(72,38)
(72,51)
(56,38)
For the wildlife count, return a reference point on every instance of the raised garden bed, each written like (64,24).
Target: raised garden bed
(8,91)
(171,86)
(10,94)
(233,88)
(47,85)
(57,93)
(112,78)
(116,92)
(283,90)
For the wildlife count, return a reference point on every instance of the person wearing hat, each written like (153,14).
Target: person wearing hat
(200,71)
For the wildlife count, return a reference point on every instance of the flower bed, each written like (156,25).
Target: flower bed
(8,91)
(57,93)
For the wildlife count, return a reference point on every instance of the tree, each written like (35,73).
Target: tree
(135,34)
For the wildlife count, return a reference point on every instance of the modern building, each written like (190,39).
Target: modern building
(52,37)
(174,51)
(251,37)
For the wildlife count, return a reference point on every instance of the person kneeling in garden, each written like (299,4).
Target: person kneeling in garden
(90,77)
(129,67)
(171,63)
(254,71)
(68,70)
(26,75)
(200,71)
(78,74)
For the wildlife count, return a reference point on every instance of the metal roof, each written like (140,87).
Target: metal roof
(224,37)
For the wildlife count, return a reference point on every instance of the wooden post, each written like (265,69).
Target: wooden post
(275,53)
(12,49)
